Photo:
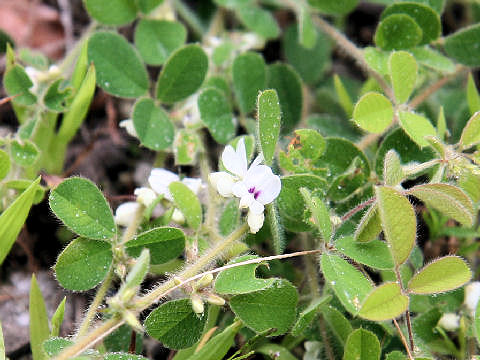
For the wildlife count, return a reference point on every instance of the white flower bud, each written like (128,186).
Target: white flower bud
(472,294)
(178,216)
(215,300)
(449,321)
(126,213)
(255,221)
(197,304)
(145,196)
(129,127)
(204,281)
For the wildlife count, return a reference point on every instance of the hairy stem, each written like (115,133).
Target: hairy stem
(404,341)
(357,208)
(407,313)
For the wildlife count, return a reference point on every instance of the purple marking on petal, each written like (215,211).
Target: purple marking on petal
(256,194)
(251,190)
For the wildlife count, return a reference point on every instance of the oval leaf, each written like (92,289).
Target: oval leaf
(175,324)
(403,72)
(273,307)
(269,118)
(398,31)
(249,77)
(471,131)
(258,20)
(375,254)
(362,345)
(83,264)
(187,202)
(444,274)
(127,78)
(448,199)
(348,283)
(153,127)
(463,45)
(384,303)
(216,114)
(164,243)
(417,127)
(112,12)
(82,207)
(373,112)
(398,222)
(182,74)
(369,227)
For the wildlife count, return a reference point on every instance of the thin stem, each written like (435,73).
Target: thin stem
(131,229)
(420,98)
(404,341)
(409,328)
(326,342)
(310,269)
(91,339)
(357,208)
(97,301)
(353,51)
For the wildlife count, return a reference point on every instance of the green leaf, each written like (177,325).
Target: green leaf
(55,345)
(337,323)
(83,264)
(306,317)
(13,218)
(269,120)
(274,351)
(187,202)
(147,6)
(448,199)
(17,82)
(127,78)
(74,116)
(392,169)
(272,307)
(83,208)
(259,21)
(56,97)
(377,59)
(416,126)
(57,318)
(186,147)
(306,29)
(473,97)
(398,222)
(5,164)
(343,97)
(403,71)
(138,272)
(217,347)
(2,344)
(309,63)
(425,17)
(373,112)
(287,83)
(125,356)
(320,214)
(396,355)
(39,329)
(374,254)
(385,302)
(164,244)
(153,127)
(471,132)
(119,340)
(290,202)
(112,12)
(408,150)
(157,39)
(81,67)
(334,7)
(241,279)
(249,77)
(348,283)
(398,31)
(433,59)
(462,45)
(453,270)
(216,114)
(362,345)
(175,324)
(369,227)
(25,153)
(182,74)
(229,219)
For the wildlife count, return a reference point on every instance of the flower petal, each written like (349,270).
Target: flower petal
(239,189)
(145,196)
(160,179)
(269,189)
(257,175)
(129,127)
(223,182)
(256,207)
(246,201)
(193,184)
(125,213)
(235,161)
(255,221)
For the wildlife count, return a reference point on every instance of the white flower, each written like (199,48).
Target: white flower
(160,180)
(449,321)
(256,186)
(145,196)
(472,294)
(129,127)
(125,213)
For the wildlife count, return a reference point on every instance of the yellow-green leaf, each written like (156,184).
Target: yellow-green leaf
(416,126)
(403,71)
(473,98)
(471,131)
(39,329)
(384,303)
(373,112)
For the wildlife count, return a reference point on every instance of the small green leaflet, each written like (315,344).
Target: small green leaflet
(269,118)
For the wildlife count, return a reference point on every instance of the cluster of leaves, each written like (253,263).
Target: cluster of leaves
(361,159)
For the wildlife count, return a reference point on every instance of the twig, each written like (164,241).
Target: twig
(404,341)
(409,328)
(420,98)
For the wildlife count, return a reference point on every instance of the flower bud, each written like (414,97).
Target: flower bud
(145,196)
(472,294)
(129,127)
(204,281)
(197,304)
(215,300)
(126,213)
(449,321)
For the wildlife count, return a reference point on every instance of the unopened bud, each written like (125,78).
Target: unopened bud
(449,321)
(204,281)
(197,304)
(215,300)
(121,271)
